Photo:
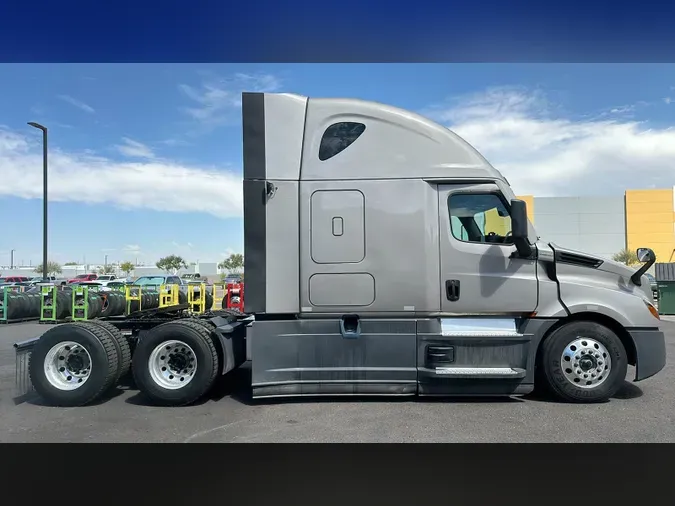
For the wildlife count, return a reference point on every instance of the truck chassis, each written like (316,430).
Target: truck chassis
(77,363)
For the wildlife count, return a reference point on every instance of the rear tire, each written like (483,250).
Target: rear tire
(122,345)
(582,362)
(73,364)
(191,356)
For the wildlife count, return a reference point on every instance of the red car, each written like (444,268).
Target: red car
(83,277)
(13,279)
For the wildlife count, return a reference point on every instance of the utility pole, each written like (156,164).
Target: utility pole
(44,198)
(11,259)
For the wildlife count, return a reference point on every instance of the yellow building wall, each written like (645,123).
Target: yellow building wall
(529,200)
(495,223)
(650,222)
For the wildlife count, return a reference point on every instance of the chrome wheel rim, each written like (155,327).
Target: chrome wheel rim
(172,364)
(67,365)
(586,363)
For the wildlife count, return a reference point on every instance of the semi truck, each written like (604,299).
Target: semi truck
(384,255)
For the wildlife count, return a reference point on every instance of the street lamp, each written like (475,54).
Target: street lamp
(44,198)
(11,259)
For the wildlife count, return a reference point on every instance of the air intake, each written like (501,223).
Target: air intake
(566,257)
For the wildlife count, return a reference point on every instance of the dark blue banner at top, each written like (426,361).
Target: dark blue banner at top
(336,31)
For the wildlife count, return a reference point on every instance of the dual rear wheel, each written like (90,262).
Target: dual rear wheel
(75,364)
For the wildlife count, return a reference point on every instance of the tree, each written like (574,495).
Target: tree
(626,256)
(53,268)
(127,267)
(233,263)
(70,264)
(172,264)
(107,269)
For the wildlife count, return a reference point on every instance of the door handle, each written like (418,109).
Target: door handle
(452,289)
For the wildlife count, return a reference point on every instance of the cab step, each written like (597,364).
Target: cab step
(481,372)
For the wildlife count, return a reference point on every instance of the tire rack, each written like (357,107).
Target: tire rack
(4,306)
(232,289)
(48,309)
(196,297)
(219,294)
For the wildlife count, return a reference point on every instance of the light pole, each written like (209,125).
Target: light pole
(105,265)
(44,197)
(11,259)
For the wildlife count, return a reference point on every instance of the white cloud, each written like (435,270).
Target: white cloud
(77,103)
(91,179)
(537,147)
(217,98)
(542,152)
(668,100)
(131,248)
(134,149)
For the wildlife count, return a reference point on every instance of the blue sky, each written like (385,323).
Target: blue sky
(145,160)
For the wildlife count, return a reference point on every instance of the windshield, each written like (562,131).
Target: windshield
(150,280)
(82,276)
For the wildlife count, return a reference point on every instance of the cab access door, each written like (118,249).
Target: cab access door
(486,287)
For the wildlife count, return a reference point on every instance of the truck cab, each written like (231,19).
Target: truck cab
(410,267)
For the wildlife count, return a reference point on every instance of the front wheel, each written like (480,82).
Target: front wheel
(583,362)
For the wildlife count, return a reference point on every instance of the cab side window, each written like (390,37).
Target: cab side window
(479,217)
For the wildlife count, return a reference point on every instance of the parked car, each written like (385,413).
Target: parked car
(159,280)
(83,277)
(232,278)
(50,279)
(106,277)
(13,279)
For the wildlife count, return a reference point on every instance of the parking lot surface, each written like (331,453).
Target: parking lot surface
(641,412)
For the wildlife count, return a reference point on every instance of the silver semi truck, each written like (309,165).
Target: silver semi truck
(384,256)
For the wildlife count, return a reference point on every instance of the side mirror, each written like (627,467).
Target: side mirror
(645,255)
(648,258)
(519,227)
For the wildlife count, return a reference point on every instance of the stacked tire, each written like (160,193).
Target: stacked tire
(149,300)
(64,302)
(112,303)
(22,305)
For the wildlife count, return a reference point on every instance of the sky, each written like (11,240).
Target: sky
(145,160)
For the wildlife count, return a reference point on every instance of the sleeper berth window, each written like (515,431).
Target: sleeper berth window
(338,137)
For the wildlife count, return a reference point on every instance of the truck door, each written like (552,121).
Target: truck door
(481,272)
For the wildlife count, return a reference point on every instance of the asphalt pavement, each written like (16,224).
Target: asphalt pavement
(641,412)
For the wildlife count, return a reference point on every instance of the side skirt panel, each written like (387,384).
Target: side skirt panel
(432,356)
(311,357)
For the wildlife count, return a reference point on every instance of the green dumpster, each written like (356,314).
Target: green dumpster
(665,282)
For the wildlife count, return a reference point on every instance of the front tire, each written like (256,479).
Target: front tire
(176,363)
(583,362)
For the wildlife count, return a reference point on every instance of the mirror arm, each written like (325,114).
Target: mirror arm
(636,278)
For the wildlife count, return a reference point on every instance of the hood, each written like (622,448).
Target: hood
(591,261)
